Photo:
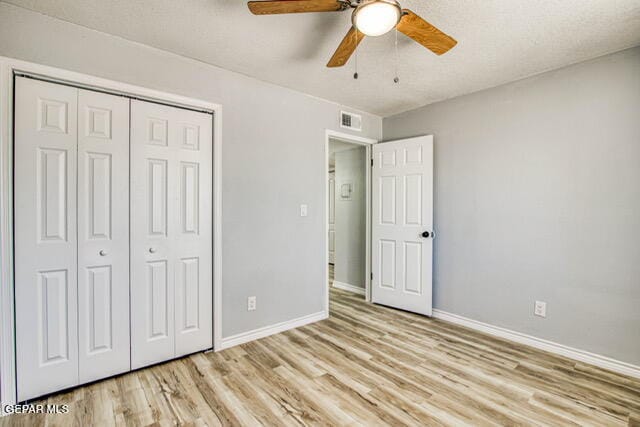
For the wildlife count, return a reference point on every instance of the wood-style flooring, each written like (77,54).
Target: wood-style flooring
(366,365)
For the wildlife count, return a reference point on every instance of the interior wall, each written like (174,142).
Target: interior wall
(350,225)
(537,197)
(272,160)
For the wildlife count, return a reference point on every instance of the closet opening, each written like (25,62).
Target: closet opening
(115,203)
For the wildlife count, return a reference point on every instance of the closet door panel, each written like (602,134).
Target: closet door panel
(193,135)
(171,232)
(103,235)
(153,181)
(45,237)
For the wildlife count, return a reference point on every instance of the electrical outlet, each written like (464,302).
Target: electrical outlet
(304,210)
(540,309)
(251,303)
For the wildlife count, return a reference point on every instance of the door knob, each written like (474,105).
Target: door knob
(103,252)
(426,234)
(152,250)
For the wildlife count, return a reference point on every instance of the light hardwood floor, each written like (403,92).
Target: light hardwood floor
(366,365)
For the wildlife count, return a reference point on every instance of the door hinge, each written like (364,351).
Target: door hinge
(371,276)
(371,162)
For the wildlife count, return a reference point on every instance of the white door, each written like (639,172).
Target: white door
(103,235)
(171,232)
(45,237)
(402,229)
(332,217)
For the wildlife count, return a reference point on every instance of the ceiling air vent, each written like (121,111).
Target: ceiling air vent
(350,121)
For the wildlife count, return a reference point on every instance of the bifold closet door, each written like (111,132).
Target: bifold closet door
(71,236)
(45,237)
(103,235)
(171,232)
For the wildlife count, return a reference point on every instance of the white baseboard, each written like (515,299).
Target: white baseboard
(265,331)
(541,344)
(347,287)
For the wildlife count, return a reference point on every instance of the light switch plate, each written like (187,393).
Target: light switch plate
(251,303)
(304,210)
(540,309)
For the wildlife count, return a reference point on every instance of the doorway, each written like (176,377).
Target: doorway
(402,234)
(348,179)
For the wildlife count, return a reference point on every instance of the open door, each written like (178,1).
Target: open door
(402,224)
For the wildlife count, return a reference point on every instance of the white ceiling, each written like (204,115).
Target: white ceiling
(498,41)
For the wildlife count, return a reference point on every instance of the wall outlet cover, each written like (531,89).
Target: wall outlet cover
(251,303)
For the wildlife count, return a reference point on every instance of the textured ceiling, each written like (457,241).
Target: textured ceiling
(498,41)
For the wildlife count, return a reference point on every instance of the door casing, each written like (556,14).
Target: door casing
(332,215)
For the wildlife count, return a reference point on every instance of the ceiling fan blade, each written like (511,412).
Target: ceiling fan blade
(346,48)
(424,33)
(294,6)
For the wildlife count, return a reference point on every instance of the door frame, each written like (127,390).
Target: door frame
(367,143)
(9,67)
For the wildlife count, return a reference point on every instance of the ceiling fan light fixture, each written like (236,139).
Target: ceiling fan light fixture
(376,17)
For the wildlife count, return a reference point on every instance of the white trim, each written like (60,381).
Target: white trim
(355,139)
(7,338)
(7,68)
(265,331)
(97,83)
(348,287)
(541,344)
(217,230)
(367,142)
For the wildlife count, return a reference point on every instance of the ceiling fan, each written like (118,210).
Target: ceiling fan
(370,18)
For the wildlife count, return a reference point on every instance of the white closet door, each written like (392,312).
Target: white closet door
(45,237)
(192,135)
(103,235)
(171,252)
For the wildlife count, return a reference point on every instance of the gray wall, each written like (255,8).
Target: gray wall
(350,259)
(273,160)
(537,197)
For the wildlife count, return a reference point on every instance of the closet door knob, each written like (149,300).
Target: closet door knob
(152,250)
(103,252)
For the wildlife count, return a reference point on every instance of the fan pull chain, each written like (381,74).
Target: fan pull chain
(355,34)
(396,78)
